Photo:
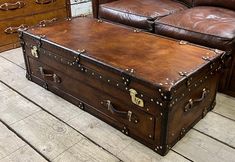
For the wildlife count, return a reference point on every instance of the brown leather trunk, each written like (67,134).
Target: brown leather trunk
(151,88)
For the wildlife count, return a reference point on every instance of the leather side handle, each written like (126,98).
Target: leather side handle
(44,23)
(191,103)
(48,75)
(44,1)
(11,30)
(126,114)
(12,6)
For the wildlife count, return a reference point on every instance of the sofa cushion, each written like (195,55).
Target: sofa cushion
(208,26)
(138,13)
(230,4)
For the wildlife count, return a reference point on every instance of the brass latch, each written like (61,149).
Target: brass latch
(34,51)
(135,99)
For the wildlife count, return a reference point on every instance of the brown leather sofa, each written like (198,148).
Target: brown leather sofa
(209,23)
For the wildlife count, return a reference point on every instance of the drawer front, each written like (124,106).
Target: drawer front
(8,35)
(13,8)
(135,121)
(8,29)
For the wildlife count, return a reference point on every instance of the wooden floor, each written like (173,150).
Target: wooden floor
(38,126)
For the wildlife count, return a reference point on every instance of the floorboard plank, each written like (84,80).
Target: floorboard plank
(24,154)
(136,152)
(227,109)
(13,107)
(9,142)
(47,134)
(15,56)
(14,149)
(87,152)
(201,148)
(53,138)
(218,127)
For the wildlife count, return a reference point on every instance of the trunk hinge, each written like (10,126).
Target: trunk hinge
(40,40)
(188,79)
(77,57)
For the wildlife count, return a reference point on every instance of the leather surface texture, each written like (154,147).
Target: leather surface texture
(208,26)
(138,13)
(123,48)
(230,4)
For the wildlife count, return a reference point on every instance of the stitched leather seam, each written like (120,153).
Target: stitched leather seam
(181,28)
(148,17)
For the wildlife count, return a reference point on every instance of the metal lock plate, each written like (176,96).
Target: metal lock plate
(135,99)
(34,51)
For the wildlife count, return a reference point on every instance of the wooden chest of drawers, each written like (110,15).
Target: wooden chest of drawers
(15,14)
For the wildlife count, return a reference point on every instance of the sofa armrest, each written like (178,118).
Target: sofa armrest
(96,4)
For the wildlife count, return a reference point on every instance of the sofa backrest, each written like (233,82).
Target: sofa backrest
(230,4)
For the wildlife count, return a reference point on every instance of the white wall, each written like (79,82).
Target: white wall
(80,7)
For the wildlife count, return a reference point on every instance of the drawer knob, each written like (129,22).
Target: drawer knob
(191,103)
(44,23)
(44,1)
(11,30)
(12,6)
(126,114)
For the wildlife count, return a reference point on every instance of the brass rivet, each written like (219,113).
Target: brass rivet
(150,118)
(136,30)
(150,136)
(99,21)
